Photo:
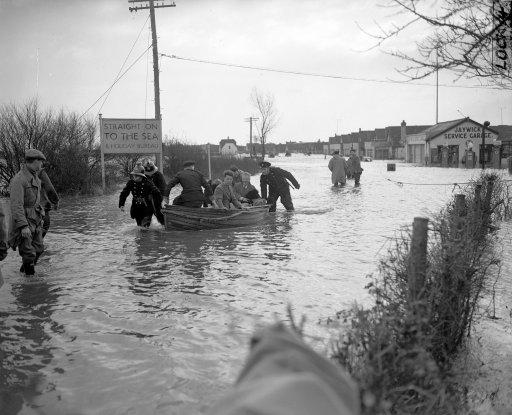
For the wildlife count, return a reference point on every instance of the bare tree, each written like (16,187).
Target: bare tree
(268,116)
(66,140)
(472,38)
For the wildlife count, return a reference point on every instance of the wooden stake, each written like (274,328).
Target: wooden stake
(418,258)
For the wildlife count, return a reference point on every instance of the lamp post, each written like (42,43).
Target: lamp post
(486,124)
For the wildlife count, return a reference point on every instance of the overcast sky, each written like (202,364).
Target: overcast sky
(68,52)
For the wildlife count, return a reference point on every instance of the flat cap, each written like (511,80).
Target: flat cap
(265,164)
(189,163)
(32,153)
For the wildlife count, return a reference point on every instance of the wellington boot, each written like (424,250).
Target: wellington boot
(29,270)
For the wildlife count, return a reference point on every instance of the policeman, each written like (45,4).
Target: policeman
(26,231)
(278,187)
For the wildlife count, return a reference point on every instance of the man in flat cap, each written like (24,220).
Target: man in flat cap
(26,231)
(278,186)
(192,182)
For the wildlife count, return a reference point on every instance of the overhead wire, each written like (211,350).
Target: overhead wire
(117,77)
(320,75)
(116,81)
(124,63)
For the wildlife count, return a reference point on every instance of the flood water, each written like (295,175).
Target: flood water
(124,321)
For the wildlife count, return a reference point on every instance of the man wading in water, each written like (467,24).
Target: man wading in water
(354,168)
(192,183)
(26,230)
(146,198)
(278,187)
(3,239)
(338,167)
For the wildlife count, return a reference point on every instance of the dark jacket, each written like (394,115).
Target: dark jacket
(277,181)
(246,189)
(49,195)
(192,182)
(354,165)
(158,179)
(3,233)
(146,198)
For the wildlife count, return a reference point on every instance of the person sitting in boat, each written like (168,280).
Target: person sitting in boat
(192,182)
(208,193)
(237,174)
(245,191)
(146,198)
(155,175)
(224,196)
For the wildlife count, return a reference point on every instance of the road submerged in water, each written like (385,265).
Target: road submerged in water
(121,320)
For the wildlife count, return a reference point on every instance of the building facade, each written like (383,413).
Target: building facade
(228,147)
(454,143)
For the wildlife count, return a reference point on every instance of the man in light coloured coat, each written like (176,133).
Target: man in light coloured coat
(26,230)
(338,167)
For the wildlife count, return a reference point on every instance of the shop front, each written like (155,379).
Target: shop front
(461,144)
(415,145)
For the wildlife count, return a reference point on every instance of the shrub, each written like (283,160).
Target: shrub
(399,350)
(66,140)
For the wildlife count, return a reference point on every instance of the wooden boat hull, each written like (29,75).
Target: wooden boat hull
(185,218)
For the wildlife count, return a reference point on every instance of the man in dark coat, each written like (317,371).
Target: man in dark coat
(3,238)
(49,199)
(146,198)
(155,175)
(354,168)
(26,230)
(278,187)
(192,183)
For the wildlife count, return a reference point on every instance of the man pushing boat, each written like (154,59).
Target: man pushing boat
(278,187)
(192,182)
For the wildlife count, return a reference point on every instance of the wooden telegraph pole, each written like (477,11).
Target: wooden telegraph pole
(156,73)
(250,121)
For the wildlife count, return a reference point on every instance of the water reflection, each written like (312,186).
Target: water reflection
(276,237)
(25,344)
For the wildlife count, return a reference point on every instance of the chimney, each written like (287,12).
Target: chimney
(403,132)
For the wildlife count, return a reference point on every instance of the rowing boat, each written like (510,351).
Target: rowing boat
(186,218)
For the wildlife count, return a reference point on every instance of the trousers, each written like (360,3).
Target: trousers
(31,248)
(286,200)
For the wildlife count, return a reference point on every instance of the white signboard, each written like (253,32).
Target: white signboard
(131,136)
(468,131)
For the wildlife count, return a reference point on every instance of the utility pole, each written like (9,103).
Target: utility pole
(250,120)
(156,72)
(437,86)
(482,152)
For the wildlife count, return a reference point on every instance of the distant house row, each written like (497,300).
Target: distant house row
(448,142)
(425,144)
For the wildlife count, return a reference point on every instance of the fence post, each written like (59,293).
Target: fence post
(486,209)
(478,197)
(418,258)
(459,214)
